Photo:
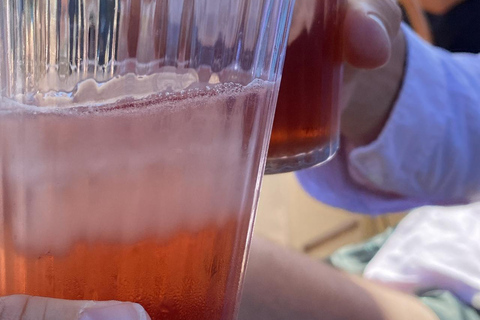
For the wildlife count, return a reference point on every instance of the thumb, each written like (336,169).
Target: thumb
(368,32)
(19,307)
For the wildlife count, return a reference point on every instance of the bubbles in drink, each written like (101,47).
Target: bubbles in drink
(140,199)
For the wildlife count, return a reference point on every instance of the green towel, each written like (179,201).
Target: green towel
(447,306)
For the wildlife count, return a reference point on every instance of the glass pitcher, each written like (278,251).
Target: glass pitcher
(133,138)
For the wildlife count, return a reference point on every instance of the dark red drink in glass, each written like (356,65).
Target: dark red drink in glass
(305,131)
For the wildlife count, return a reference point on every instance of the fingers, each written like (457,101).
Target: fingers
(369,29)
(21,307)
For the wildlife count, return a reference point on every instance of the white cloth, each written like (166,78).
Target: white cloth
(433,248)
(429,150)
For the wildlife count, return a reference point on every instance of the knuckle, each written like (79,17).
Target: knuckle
(387,10)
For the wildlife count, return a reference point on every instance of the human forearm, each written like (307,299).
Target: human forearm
(281,284)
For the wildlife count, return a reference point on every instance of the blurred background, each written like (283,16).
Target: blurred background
(289,216)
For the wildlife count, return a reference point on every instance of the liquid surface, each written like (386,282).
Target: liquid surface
(141,200)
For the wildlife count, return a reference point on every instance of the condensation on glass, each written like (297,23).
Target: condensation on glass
(133,138)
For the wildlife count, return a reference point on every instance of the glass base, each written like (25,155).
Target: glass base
(301,161)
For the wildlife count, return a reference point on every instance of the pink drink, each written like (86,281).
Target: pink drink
(142,200)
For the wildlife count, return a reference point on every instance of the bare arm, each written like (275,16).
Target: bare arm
(439,6)
(281,284)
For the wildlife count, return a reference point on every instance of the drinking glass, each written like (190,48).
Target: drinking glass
(133,139)
(306,127)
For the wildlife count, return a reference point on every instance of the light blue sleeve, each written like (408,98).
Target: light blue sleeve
(429,150)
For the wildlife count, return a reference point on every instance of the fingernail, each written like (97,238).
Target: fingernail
(120,311)
(379,21)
